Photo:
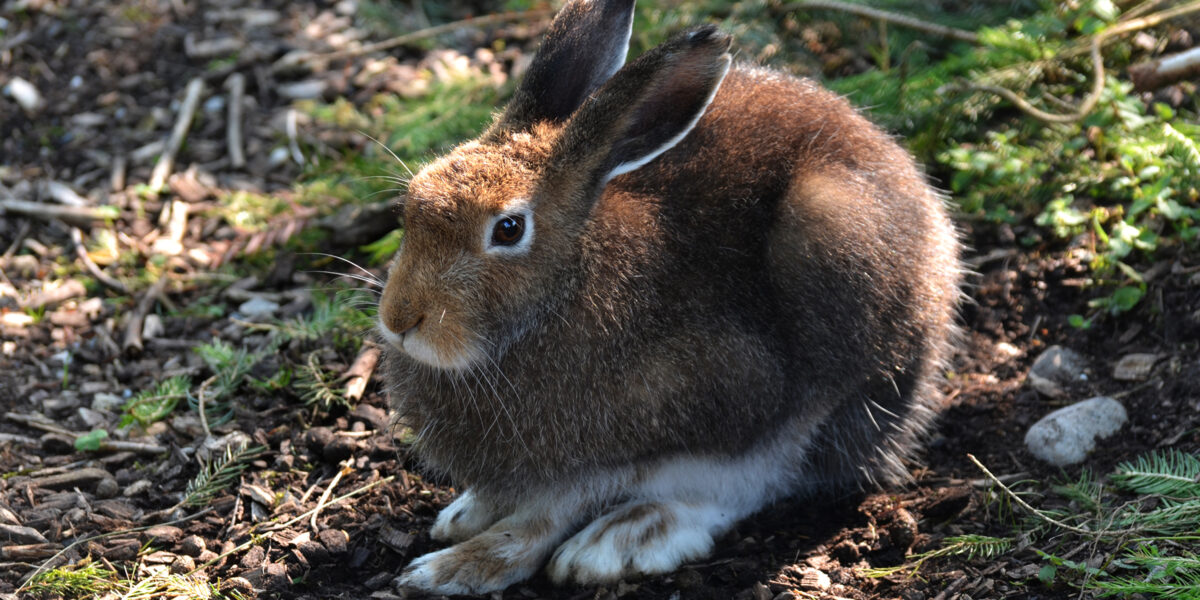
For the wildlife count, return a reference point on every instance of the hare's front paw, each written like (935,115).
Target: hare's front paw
(637,537)
(467,516)
(490,561)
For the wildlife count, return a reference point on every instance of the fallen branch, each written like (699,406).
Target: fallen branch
(408,38)
(233,126)
(343,469)
(187,110)
(359,373)
(37,421)
(1098,74)
(92,267)
(133,328)
(75,215)
(887,17)
(1162,71)
(12,438)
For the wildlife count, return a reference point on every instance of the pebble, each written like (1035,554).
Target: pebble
(192,545)
(105,402)
(1054,368)
(140,486)
(1066,436)
(813,579)
(1134,367)
(183,564)
(107,488)
(93,419)
(165,535)
(258,308)
(903,529)
(302,90)
(26,95)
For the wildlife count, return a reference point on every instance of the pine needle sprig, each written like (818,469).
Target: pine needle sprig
(219,474)
(154,404)
(1173,473)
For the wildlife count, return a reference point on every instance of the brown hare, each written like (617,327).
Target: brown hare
(651,299)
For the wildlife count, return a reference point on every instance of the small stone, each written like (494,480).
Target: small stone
(1066,436)
(302,90)
(258,494)
(271,577)
(813,579)
(192,545)
(152,327)
(1054,368)
(105,402)
(163,535)
(26,95)
(107,488)
(140,486)
(258,308)
(334,540)
(238,584)
(1134,367)
(1007,350)
(92,418)
(183,564)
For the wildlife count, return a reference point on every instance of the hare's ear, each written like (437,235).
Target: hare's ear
(586,44)
(646,107)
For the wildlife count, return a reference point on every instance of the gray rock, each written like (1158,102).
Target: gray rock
(1134,367)
(258,308)
(105,402)
(1066,436)
(1054,368)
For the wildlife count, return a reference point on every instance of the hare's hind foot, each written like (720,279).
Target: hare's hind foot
(638,538)
(509,551)
(467,516)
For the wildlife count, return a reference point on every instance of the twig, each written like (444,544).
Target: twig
(1098,75)
(1041,515)
(133,328)
(12,438)
(91,266)
(1164,70)
(166,161)
(76,215)
(38,421)
(288,523)
(116,179)
(886,17)
(233,126)
(344,469)
(200,396)
(421,34)
(293,134)
(359,373)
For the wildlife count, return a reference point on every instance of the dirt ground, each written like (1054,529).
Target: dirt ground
(110,81)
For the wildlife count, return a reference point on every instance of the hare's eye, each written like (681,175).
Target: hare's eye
(508,230)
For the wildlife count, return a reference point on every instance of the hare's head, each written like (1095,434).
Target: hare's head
(492,229)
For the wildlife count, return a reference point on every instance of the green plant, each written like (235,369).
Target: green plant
(318,388)
(85,580)
(156,403)
(218,474)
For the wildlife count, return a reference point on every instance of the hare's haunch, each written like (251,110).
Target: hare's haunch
(652,298)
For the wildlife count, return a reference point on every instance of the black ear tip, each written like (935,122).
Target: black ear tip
(707,35)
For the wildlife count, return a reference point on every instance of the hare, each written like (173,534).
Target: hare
(651,299)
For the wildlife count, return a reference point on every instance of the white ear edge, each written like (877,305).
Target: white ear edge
(633,165)
(520,207)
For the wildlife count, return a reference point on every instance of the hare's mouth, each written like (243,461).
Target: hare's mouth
(445,351)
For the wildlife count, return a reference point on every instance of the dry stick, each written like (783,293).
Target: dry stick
(288,523)
(344,468)
(133,329)
(1164,70)
(359,373)
(1039,514)
(39,422)
(82,215)
(166,161)
(233,127)
(1098,76)
(886,17)
(409,38)
(91,266)
(12,438)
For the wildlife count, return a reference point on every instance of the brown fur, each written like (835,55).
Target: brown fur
(785,259)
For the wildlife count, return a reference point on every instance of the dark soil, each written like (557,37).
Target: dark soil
(127,62)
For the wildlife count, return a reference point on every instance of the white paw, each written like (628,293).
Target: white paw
(488,562)
(635,538)
(467,516)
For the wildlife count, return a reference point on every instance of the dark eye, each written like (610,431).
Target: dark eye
(508,231)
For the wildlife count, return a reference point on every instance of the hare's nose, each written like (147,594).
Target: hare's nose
(403,328)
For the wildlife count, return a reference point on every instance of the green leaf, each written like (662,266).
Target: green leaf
(1125,298)
(1046,574)
(90,442)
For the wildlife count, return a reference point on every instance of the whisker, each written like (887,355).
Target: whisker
(369,281)
(389,151)
(347,261)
